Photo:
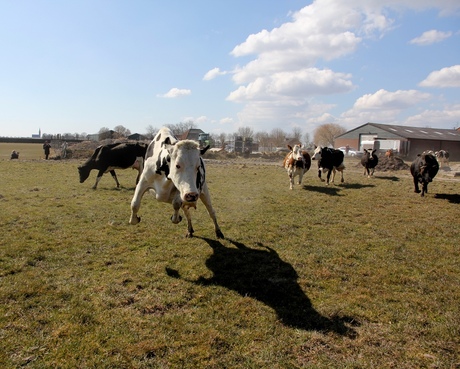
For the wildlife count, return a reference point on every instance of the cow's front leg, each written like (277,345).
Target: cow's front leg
(319,175)
(291,180)
(114,176)
(176,217)
(300,177)
(206,199)
(141,188)
(416,189)
(98,178)
(190,229)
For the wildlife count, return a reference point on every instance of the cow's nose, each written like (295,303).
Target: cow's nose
(191,196)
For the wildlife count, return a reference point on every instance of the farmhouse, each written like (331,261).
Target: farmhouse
(403,140)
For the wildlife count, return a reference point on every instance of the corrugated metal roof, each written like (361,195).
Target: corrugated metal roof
(418,132)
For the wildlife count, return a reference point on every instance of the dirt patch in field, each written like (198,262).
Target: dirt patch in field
(391,163)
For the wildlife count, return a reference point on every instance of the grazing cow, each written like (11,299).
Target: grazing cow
(297,163)
(107,158)
(175,173)
(424,169)
(369,161)
(329,160)
(443,157)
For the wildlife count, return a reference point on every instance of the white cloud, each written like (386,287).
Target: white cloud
(430,37)
(176,92)
(382,106)
(447,117)
(446,77)
(213,73)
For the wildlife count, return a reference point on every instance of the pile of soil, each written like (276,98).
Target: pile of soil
(391,163)
(84,150)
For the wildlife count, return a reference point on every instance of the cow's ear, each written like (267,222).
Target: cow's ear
(289,147)
(202,151)
(168,147)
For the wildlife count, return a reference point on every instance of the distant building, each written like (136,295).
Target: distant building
(137,137)
(39,135)
(404,140)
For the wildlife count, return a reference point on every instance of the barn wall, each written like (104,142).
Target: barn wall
(418,146)
(353,143)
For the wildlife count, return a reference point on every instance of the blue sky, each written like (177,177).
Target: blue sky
(77,66)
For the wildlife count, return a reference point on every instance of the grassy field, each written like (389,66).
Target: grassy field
(363,274)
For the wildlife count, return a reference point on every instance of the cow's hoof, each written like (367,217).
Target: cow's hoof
(135,220)
(219,234)
(189,235)
(178,220)
(417,191)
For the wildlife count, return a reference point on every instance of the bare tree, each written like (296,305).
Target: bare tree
(151,131)
(297,134)
(278,137)
(264,140)
(325,134)
(245,132)
(307,140)
(121,131)
(180,128)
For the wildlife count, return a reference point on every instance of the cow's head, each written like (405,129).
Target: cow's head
(186,169)
(317,153)
(84,172)
(296,152)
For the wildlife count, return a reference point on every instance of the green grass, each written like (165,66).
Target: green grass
(357,275)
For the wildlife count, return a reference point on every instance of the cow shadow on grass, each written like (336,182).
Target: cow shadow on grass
(334,190)
(392,178)
(453,198)
(262,275)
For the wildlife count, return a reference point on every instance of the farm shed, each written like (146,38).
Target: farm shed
(405,141)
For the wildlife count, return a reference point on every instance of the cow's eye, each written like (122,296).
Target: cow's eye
(177,166)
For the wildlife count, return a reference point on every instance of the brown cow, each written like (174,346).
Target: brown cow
(297,163)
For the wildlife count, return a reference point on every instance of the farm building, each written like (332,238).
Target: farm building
(403,140)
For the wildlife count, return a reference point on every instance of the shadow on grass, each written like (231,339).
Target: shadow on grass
(262,275)
(453,198)
(328,190)
(392,178)
(334,190)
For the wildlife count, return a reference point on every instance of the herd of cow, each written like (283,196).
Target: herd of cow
(175,173)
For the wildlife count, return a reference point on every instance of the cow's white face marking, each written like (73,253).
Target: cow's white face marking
(317,153)
(297,152)
(186,169)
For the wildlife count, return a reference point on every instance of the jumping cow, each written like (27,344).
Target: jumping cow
(424,168)
(369,161)
(297,163)
(175,173)
(107,158)
(330,160)
(443,157)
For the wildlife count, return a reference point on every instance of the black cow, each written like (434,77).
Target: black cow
(424,168)
(329,160)
(107,158)
(369,161)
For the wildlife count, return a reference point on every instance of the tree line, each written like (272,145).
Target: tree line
(323,135)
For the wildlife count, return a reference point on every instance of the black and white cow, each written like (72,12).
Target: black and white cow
(424,168)
(174,171)
(297,163)
(369,161)
(330,161)
(107,158)
(443,157)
